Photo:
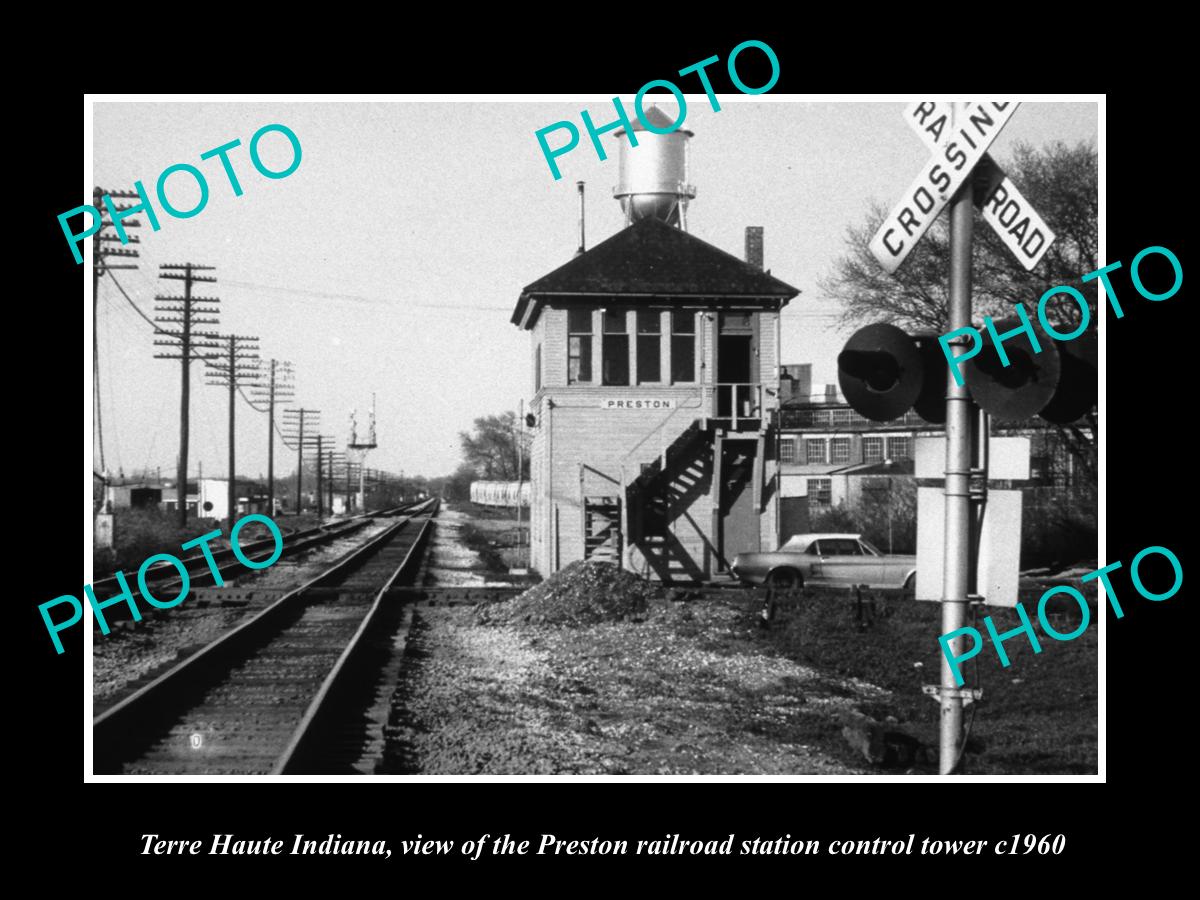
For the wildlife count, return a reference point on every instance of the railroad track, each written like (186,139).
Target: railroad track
(276,694)
(164,577)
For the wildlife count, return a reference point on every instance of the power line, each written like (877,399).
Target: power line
(137,309)
(157,330)
(362,298)
(467,307)
(114,434)
(101,248)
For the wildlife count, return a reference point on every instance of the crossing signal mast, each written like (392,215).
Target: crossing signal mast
(359,446)
(884,371)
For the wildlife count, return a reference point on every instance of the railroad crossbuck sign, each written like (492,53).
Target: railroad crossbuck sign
(958,145)
(1011,216)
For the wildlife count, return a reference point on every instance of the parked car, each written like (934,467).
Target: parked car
(826,559)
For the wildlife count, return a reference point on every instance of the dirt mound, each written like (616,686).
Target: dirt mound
(583,593)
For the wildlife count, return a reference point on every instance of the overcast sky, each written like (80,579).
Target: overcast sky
(391,259)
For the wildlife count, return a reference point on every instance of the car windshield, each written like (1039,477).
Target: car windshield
(870,548)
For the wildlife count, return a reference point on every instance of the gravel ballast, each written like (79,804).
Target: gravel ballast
(684,691)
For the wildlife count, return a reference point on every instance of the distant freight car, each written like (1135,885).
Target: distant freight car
(499,493)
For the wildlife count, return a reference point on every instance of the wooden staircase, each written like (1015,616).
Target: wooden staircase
(602,529)
(658,491)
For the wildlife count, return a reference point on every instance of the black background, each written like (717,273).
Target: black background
(1150,368)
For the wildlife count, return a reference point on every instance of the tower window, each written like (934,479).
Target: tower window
(616,348)
(683,347)
(579,346)
(649,346)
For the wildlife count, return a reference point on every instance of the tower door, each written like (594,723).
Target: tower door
(735,356)
(739,518)
(736,363)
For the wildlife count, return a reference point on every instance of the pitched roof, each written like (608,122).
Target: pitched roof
(653,259)
(659,120)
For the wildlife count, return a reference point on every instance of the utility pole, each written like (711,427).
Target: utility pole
(276,385)
(102,246)
(185,312)
(297,424)
(238,363)
(320,492)
(959,417)
(322,441)
(333,458)
(521,450)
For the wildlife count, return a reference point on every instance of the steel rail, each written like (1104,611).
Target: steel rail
(306,735)
(111,729)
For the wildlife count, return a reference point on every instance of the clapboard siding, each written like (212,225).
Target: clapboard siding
(573,429)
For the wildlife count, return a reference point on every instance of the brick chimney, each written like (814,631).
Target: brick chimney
(754,245)
(787,386)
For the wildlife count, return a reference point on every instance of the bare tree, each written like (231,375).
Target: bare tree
(1058,180)
(491,449)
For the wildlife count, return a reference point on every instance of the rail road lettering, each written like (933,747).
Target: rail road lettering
(637,403)
(622,120)
(1026,627)
(161,561)
(118,214)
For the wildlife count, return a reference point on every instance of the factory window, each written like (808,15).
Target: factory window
(537,368)
(873,450)
(1039,467)
(683,346)
(649,345)
(820,491)
(814,450)
(787,450)
(898,448)
(579,346)
(616,348)
(839,450)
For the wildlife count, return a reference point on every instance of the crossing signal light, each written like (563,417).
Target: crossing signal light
(1023,387)
(884,372)
(1077,384)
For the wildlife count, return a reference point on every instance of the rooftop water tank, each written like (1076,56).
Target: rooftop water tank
(654,174)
